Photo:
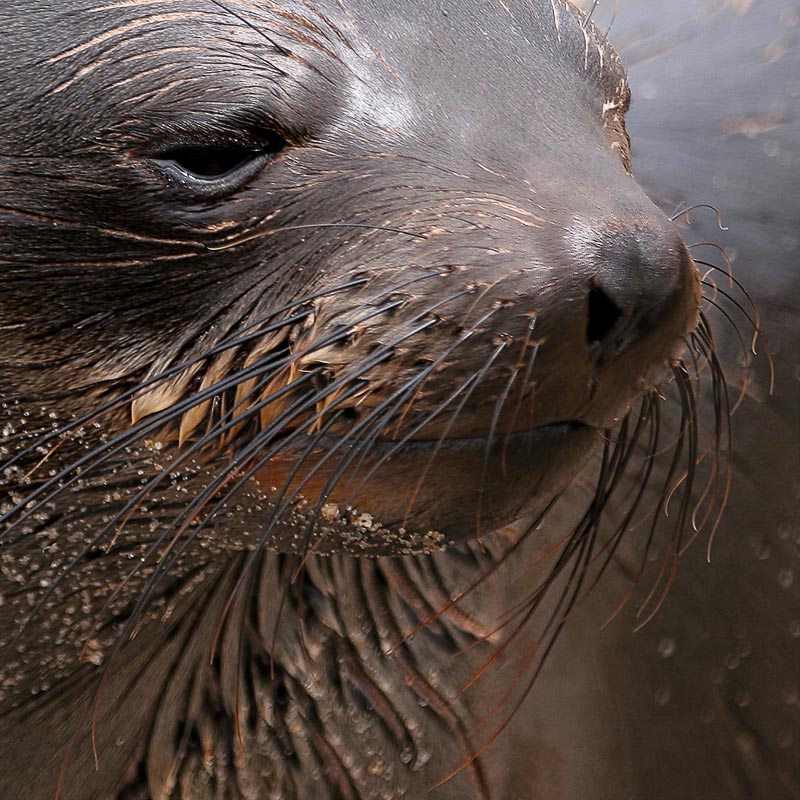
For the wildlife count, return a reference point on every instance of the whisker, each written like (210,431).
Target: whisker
(587,19)
(532,349)
(154,421)
(468,388)
(314,226)
(248,333)
(684,212)
(436,412)
(492,427)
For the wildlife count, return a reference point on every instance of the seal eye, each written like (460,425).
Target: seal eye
(222,162)
(210,163)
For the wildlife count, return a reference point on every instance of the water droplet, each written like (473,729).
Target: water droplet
(763,551)
(785,739)
(663,695)
(667,647)
(786,578)
(732,661)
(743,698)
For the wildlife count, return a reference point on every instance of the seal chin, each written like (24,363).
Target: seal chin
(436,491)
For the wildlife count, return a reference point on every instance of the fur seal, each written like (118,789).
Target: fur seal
(277,315)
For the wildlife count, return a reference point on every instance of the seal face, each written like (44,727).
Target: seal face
(305,278)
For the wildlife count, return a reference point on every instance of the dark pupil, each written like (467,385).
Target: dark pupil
(210,162)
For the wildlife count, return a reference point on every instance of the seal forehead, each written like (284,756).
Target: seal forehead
(501,81)
(489,77)
(160,60)
(397,70)
(509,47)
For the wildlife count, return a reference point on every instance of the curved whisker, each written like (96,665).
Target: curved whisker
(248,333)
(684,212)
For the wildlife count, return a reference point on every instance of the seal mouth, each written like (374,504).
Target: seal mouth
(460,487)
(390,447)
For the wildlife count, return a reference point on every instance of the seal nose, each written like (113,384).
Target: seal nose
(639,277)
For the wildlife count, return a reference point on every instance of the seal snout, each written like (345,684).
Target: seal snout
(642,283)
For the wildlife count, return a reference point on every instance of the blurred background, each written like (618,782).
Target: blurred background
(703,703)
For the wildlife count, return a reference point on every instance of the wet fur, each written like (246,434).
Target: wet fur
(223,666)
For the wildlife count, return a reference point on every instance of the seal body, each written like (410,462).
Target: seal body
(300,283)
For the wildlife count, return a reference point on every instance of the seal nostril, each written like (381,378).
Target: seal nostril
(603,315)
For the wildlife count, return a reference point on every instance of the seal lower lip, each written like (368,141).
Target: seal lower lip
(460,487)
(381,447)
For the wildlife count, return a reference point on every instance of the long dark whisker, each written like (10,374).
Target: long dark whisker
(754,316)
(498,410)
(583,538)
(406,395)
(642,481)
(153,422)
(716,304)
(246,334)
(722,415)
(689,424)
(702,343)
(583,543)
(613,19)
(437,411)
(411,389)
(527,345)
(653,416)
(587,19)
(468,387)
(527,607)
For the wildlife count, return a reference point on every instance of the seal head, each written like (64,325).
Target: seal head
(333,273)
(287,279)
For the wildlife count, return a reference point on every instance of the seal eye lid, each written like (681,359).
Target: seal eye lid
(220,161)
(209,163)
